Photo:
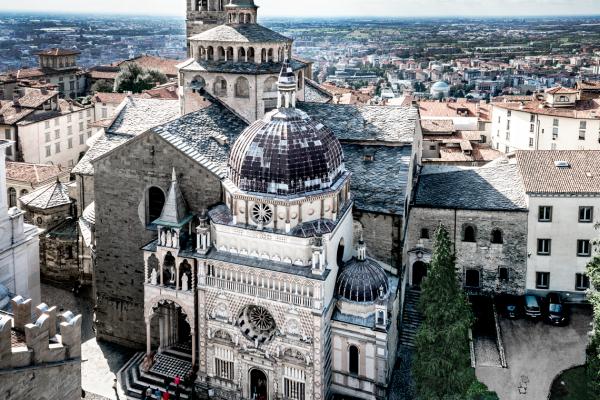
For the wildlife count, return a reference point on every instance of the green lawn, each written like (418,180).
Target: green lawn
(574,387)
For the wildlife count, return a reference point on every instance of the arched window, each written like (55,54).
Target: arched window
(169,270)
(353,360)
(469,234)
(220,53)
(340,253)
(242,88)
(230,54)
(210,53)
(251,54)
(220,87)
(23,193)
(263,56)
(241,54)
(270,85)
(497,236)
(156,202)
(198,83)
(12,197)
(300,80)
(270,55)
(201,53)
(472,278)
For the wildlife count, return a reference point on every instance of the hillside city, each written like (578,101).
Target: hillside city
(232,206)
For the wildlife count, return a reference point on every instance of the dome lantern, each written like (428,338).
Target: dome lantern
(241,12)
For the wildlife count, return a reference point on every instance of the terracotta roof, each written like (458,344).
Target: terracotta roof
(561,90)
(589,109)
(10,115)
(110,98)
(35,98)
(57,52)
(586,85)
(107,72)
(542,173)
(30,73)
(165,65)
(50,196)
(437,125)
(31,173)
(454,109)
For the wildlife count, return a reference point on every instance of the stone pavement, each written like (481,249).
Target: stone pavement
(100,360)
(536,353)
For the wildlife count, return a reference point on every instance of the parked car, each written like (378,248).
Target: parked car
(557,311)
(510,306)
(532,307)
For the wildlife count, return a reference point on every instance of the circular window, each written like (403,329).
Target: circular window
(262,214)
(39,220)
(257,324)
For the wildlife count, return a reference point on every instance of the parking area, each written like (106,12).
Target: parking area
(536,353)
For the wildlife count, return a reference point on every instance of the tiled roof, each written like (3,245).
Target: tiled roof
(111,98)
(237,67)
(541,174)
(437,125)
(378,185)
(205,136)
(165,65)
(244,33)
(35,98)
(31,173)
(137,115)
(561,90)
(101,146)
(50,196)
(366,123)
(496,187)
(315,93)
(589,109)
(451,109)
(10,115)
(29,73)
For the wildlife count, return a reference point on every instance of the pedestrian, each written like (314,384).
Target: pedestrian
(166,395)
(177,380)
(158,394)
(178,393)
(147,393)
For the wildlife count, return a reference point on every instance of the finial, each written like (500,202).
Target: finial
(174,176)
(362,249)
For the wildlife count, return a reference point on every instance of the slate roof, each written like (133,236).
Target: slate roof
(315,93)
(495,187)
(205,135)
(86,222)
(243,33)
(366,123)
(379,185)
(137,115)
(50,196)
(542,176)
(248,68)
(101,146)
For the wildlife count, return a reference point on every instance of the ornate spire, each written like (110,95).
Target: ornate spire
(361,251)
(175,209)
(286,87)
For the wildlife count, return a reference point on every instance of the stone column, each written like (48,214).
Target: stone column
(161,328)
(193,348)
(148,336)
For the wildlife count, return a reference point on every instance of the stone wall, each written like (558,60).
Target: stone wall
(48,382)
(59,258)
(122,180)
(481,255)
(382,236)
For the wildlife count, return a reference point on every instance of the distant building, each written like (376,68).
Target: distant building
(23,178)
(555,120)
(19,243)
(203,15)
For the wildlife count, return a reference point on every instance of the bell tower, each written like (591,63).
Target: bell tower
(203,15)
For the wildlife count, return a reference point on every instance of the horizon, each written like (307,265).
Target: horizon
(334,8)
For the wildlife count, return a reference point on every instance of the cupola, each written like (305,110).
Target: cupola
(241,12)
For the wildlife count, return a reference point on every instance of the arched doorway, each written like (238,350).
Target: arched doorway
(258,385)
(340,253)
(419,272)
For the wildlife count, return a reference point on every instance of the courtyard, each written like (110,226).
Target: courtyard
(536,353)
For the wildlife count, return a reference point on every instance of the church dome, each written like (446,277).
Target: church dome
(287,152)
(362,280)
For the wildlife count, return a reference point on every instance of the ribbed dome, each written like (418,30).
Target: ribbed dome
(361,281)
(286,153)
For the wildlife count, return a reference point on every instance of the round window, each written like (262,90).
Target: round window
(262,214)
(257,324)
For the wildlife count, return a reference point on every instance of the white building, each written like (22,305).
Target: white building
(555,121)
(19,244)
(563,195)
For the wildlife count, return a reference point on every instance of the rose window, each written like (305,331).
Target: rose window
(257,324)
(262,214)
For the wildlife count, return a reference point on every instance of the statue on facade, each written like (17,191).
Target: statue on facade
(169,239)
(172,280)
(175,239)
(184,283)
(154,277)
(163,238)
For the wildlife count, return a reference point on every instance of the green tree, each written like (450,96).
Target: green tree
(442,365)
(102,86)
(136,79)
(593,351)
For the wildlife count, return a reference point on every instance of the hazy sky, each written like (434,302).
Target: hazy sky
(402,8)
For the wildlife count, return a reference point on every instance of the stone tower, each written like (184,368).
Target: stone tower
(203,15)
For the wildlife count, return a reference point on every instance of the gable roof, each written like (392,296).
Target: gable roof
(541,175)
(495,187)
(137,115)
(54,195)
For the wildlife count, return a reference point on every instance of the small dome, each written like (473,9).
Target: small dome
(286,152)
(362,281)
(441,85)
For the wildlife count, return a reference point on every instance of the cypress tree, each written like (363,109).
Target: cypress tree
(442,365)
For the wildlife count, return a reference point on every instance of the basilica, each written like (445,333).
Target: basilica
(255,236)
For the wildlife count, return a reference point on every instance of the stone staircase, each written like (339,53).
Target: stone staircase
(411,318)
(133,380)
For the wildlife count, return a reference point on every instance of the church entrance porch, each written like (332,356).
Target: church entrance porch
(259,389)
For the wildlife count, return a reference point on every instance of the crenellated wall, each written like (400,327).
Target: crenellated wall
(34,356)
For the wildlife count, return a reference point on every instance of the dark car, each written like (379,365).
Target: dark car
(532,307)
(557,312)
(510,306)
